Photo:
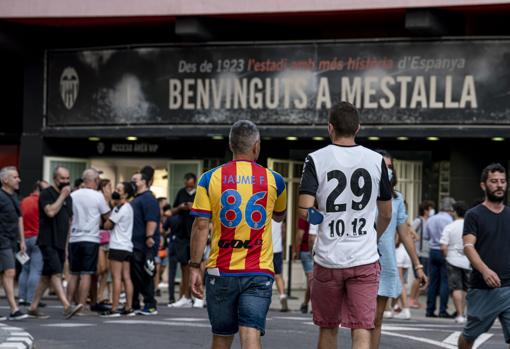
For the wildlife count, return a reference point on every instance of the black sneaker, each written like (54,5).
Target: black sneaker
(430,315)
(23,303)
(100,308)
(17,315)
(304,308)
(128,312)
(110,313)
(446,316)
(42,305)
(148,311)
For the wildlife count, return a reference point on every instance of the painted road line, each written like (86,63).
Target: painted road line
(454,337)
(161,323)
(186,319)
(13,346)
(294,318)
(420,339)
(17,338)
(68,325)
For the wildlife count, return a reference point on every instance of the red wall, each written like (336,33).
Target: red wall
(9,155)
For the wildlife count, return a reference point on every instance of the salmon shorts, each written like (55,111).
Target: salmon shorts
(346,297)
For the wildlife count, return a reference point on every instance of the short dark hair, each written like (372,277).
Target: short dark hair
(394,178)
(189,176)
(243,136)
(129,189)
(344,118)
(494,167)
(424,206)
(38,186)
(460,208)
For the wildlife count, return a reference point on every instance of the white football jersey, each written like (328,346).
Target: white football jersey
(346,181)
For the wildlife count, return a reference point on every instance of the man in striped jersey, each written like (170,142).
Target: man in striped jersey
(240,198)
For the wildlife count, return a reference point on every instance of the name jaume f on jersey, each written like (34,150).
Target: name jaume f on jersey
(231,179)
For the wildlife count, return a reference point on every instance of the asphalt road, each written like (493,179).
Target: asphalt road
(189,328)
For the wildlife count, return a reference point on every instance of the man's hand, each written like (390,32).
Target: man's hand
(149,242)
(184,206)
(65,191)
(22,247)
(491,278)
(422,278)
(197,287)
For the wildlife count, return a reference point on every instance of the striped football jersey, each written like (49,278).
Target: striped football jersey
(240,198)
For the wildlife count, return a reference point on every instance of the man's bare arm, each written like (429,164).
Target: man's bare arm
(53,209)
(305,201)
(489,276)
(199,233)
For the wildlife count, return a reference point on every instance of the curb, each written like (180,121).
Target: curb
(16,338)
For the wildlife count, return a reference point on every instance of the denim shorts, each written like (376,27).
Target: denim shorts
(234,301)
(483,307)
(306,261)
(278,262)
(83,257)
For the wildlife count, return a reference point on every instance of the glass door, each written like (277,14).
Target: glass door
(291,172)
(410,184)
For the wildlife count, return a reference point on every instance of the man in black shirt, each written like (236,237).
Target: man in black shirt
(182,206)
(486,244)
(11,228)
(55,214)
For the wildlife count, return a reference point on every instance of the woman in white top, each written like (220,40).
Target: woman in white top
(121,248)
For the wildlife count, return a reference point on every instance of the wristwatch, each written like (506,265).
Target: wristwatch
(193,264)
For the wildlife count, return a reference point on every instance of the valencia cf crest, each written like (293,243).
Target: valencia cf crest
(69,86)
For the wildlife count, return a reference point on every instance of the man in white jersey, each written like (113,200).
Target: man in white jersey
(353,193)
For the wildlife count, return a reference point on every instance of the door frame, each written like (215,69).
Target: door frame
(200,164)
(47,170)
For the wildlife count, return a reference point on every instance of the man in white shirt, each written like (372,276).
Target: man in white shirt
(89,208)
(278,231)
(459,268)
(353,193)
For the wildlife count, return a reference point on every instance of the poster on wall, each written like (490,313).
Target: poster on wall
(426,82)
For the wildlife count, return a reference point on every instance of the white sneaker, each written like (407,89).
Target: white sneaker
(198,303)
(405,314)
(460,319)
(387,314)
(182,303)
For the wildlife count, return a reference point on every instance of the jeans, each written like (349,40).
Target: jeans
(29,277)
(172,270)
(438,278)
(142,282)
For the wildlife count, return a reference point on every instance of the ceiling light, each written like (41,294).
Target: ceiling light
(318,138)
(432,138)
(292,138)
(403,138)
(498,139)
(217,137)
(373,138)
(132,138)
(94,139)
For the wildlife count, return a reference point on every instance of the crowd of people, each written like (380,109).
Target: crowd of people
(98,248)
(226,230)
